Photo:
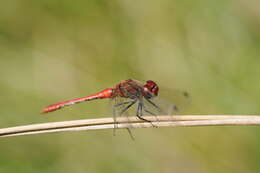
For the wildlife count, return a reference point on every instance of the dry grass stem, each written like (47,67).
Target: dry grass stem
(131,122)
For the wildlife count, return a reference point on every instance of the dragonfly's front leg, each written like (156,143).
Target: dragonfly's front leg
(139,112)
(153,104)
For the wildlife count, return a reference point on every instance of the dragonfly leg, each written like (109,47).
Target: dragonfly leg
(123,103)
(149,112)
(130,133)
(145,110)
(152,103)
(139,112)
(127,107)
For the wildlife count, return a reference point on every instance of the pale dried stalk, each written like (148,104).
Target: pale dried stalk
(131,122)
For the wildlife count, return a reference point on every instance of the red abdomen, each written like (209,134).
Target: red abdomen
(107,93)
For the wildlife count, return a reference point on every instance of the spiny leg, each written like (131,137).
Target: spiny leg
(149,112)
(125,109)
(175,108)
(152,103)
(122,103)
(128,129)
(114,113)
(130,133)
(139,112)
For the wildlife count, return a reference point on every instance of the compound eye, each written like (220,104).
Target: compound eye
(152,87)
(155,90)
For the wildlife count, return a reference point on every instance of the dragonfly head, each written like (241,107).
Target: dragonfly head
(151,89)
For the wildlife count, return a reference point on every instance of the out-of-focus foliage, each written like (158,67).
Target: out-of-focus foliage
(54,50)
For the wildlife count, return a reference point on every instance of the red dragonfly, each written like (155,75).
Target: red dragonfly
(127,94)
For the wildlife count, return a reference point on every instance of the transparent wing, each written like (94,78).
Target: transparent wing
(176,102)
(148,104)
(177,98)
(160,106)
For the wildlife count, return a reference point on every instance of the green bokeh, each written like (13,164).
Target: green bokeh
(56,50)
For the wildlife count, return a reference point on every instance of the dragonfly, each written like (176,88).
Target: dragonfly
(129,96)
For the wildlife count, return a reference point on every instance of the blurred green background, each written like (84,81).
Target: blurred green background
(53,50)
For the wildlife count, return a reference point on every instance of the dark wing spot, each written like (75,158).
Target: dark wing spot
(186,94)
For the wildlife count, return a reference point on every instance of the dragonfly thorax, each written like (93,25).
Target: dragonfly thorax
(134,89)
